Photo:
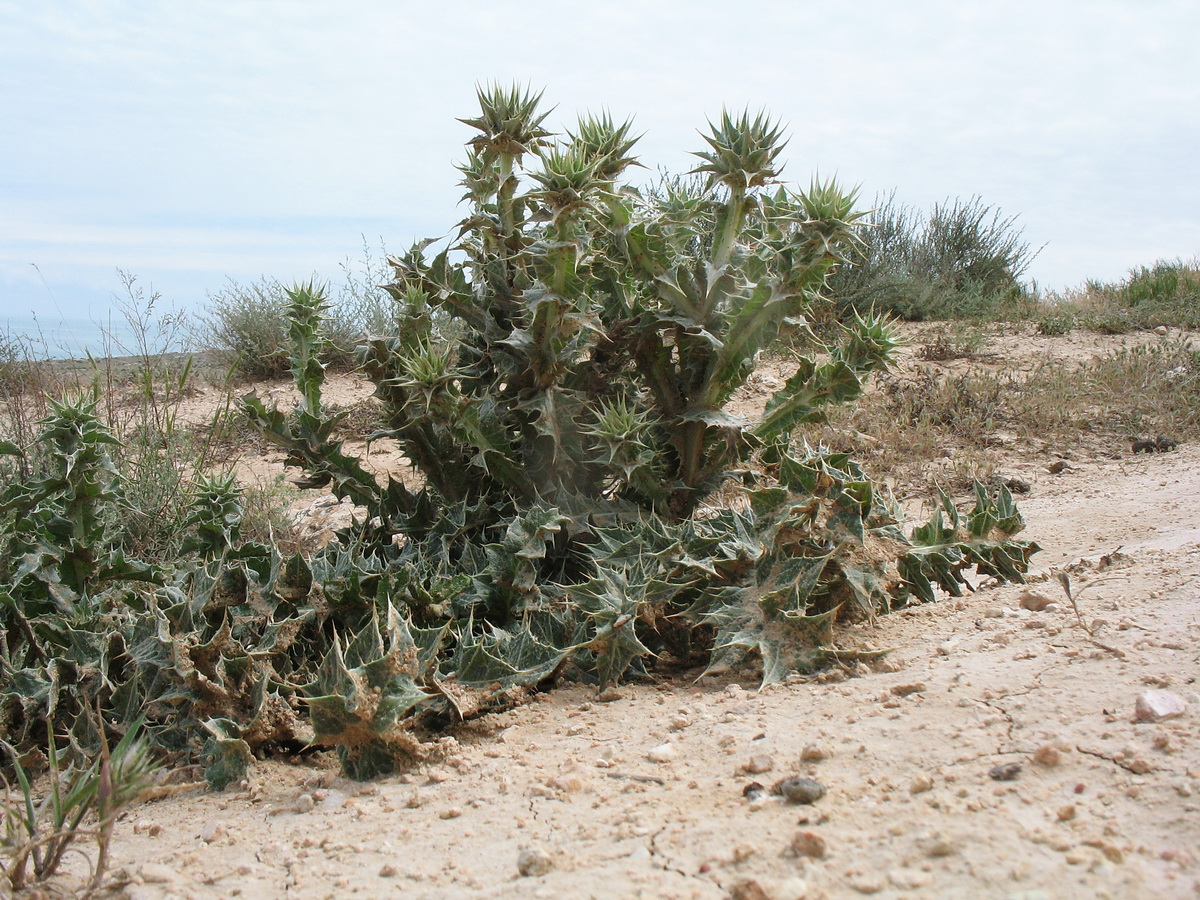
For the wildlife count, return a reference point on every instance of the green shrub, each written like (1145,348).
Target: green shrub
(244,323)
(572,440)
(963,259)
(560,379)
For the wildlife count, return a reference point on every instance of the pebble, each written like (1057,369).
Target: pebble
(533,862)
(809,844)
(903,690)
(569,783)
(800,790)
(305,803)
(867,884)
(1058,466)
(1155,706)
(145,826)
(387,870)
(909,879)
(1034,600)
(211,831)
(1005,772)
(452,813)
(793,889)
(815,753)
(609,694)
(1047,755)
(663,753)
(759,763)
(748,889)
(921,782)
(1066,813)
(157,873)
(938,847)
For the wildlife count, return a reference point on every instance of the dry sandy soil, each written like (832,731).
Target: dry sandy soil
(995,753)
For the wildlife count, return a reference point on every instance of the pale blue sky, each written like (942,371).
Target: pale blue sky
(188,142)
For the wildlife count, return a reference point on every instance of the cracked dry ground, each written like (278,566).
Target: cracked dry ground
(1103,806)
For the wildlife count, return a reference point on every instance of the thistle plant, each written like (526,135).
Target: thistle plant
(571,439)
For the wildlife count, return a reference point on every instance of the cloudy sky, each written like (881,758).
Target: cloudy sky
(188,143)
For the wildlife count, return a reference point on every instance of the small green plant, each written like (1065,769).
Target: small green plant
(79,803)
(1056,324)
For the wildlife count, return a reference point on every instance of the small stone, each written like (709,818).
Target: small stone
(663,753)
(815,753)
(938,847)
(1005,772)
(748,890)
(1034,600)
(1047,755)
(387,870)
(413,801)
(903,690)
(921,782)
(452,813)
(793,889)
(759,763)
(1155,706)
(157,873)
(145,826)
(680,722)
(945,648)
(211,831)
(305,803)
(800,790)
(533,862)
(867,884)
(809,844)
(994,612)
(1058,466)
(609,694)
(570,783)
(1161,330)
(909,879)
(1066,813)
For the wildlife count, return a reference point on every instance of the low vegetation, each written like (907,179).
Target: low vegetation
(585,502)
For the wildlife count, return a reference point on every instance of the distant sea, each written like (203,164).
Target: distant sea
(65,337)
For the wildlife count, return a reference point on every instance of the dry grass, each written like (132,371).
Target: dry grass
(953,427)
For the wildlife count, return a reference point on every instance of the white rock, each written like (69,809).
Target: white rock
(533,862)
(157,873)
(1154,706)
(759,763)
(921,782)
(793,889)
(663,753)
